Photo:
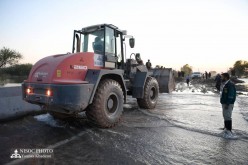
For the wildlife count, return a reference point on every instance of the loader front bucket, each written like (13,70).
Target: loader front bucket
(165,79)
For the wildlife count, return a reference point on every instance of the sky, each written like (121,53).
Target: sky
(209,35)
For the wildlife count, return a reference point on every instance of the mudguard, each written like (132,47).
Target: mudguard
(95,76)
(138,84)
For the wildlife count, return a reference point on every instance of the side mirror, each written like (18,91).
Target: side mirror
(131,42)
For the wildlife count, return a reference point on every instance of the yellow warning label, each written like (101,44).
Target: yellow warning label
(58,73)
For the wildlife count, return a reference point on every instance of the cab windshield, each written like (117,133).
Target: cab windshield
(99,41)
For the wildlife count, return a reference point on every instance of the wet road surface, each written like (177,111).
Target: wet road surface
(183,129)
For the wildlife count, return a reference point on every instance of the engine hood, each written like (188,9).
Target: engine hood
(63,68)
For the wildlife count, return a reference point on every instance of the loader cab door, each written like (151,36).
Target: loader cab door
(110,48)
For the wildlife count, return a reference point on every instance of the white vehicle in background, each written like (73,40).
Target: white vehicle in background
(197,75)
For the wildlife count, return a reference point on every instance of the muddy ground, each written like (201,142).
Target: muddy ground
(183,129)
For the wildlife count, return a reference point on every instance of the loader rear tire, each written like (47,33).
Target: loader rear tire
(151,90)
(107,106)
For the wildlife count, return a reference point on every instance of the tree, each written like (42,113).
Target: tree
(9,57)
(186,69)
(246,69)
(239,67)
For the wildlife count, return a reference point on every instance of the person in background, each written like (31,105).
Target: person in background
(187,79)
(182,72)
(206,75)
(217,81)
(138,59)
(227,99)
(148,65)
(179,74)
(209,75)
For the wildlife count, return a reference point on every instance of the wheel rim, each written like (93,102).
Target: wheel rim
(152,93)
(112,103)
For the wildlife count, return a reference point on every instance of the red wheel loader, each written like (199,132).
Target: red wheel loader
(96,77)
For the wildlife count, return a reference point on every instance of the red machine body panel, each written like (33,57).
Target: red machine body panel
(64,68)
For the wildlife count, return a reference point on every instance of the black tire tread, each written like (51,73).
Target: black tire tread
(144,102)
(94,113)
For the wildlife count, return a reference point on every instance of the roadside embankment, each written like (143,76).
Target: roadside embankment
(12,106)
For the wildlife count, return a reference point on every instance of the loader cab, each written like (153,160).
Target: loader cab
(106,41)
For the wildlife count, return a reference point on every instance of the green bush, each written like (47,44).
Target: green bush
(17,70)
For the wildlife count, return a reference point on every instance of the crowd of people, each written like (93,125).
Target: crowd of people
(181,73)
(206,75)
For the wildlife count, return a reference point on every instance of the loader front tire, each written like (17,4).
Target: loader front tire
(107,106)
(150,98)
